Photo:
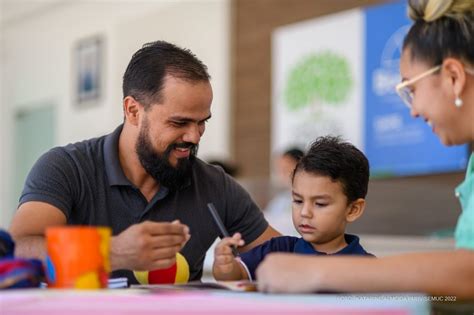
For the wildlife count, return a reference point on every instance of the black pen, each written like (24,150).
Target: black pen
(221,226)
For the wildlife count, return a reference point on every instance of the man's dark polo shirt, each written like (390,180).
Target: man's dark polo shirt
(86,182)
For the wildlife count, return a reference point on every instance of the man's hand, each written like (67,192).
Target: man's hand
(287,273)
(148,245)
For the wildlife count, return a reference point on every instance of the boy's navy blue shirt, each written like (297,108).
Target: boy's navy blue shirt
(297,245)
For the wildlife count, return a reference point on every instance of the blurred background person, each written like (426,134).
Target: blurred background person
(278,209)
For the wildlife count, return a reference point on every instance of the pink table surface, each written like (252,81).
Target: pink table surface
(55,302)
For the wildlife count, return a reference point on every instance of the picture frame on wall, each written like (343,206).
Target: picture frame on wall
(88,59)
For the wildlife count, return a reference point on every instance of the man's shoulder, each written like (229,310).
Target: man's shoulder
(88,146)
(89,149)
(86,152)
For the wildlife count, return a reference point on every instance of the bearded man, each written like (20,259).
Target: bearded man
(143,180)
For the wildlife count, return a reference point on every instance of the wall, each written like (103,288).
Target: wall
(37,64)
(3,130)
(253,23)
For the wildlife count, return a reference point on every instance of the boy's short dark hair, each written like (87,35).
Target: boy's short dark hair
(342,161)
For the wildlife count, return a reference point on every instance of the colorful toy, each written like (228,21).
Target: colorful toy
(177,273)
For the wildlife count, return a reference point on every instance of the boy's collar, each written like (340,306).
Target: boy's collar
(304,247)
(352,244)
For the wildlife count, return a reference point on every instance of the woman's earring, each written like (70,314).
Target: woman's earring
(458,102)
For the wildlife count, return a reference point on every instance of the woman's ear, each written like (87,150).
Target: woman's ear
(454,70)
(356,209)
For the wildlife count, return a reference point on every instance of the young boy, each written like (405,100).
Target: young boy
(329,185)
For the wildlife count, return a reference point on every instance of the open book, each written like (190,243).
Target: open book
(242,285)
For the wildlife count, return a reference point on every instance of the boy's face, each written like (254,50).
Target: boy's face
(320,209)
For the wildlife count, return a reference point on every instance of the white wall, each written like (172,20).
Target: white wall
(3,132)
(37,66)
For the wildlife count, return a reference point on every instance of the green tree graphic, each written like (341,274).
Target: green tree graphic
(323,77)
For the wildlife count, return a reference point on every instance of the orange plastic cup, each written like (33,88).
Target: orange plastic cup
(78,257)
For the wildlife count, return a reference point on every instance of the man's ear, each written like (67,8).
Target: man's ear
(356,209)
(131,110)
(456,75)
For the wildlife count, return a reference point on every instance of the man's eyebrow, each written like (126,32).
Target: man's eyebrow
(187,119)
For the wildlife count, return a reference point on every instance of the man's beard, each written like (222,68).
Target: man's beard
(158,165)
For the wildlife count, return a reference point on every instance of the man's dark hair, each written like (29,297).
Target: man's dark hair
(145,74)
(342,161)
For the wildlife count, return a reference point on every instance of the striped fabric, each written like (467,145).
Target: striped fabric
(16,272)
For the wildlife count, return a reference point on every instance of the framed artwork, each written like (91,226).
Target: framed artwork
(88,58)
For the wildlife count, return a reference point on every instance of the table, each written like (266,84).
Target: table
(141,302)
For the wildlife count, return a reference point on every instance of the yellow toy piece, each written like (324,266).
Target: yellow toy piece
(89,280)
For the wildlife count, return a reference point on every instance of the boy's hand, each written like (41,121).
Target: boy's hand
(224,260)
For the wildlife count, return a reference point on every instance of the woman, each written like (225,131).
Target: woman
(437,67)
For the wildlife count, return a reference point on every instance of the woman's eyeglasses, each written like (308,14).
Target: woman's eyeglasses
(403,88)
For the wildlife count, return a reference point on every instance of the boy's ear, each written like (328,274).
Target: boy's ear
(356,209)
(131,110)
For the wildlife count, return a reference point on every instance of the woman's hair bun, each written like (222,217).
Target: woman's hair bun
(429,10)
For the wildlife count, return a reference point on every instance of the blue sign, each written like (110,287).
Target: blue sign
(395,143)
